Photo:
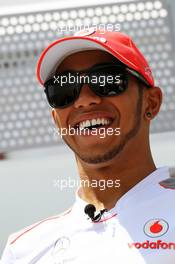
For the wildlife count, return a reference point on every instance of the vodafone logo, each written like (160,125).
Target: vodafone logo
(159,244)
(156,227)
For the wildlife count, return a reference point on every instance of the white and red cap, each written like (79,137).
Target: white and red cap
(118,44)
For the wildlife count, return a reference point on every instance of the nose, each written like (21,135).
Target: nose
(86,98)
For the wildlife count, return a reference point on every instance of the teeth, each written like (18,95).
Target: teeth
(88,123)
(80,126)
(105,122)
(98,121)
(93,122)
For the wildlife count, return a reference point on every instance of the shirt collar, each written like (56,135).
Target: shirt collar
(152,179)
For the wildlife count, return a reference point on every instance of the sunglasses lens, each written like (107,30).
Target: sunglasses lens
(60,96)
(111,81)
(103,80)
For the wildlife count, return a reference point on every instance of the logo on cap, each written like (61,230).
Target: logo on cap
(156,227)
(103,40)
(148,72)
(90,31)
(85,32)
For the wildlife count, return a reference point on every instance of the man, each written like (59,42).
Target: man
(130,218)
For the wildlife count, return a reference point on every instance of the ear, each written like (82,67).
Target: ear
(53,115)
(55,118)
(153,101)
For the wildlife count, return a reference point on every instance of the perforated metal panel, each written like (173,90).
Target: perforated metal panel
(24,114)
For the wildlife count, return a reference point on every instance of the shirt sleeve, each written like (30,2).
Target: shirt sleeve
(7,255)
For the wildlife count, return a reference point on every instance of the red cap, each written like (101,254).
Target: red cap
(118,44)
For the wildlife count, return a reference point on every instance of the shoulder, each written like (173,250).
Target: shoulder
(43,225)
(168,183)
(28,238)
(159,191)
(161,180)
(165,193)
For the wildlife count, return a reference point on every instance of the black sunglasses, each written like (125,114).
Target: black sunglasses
(107,79)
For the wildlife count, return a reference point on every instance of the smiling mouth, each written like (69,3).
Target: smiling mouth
(94,123)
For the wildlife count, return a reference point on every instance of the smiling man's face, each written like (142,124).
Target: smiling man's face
(122,111)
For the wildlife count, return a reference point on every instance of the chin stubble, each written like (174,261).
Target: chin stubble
(116,149)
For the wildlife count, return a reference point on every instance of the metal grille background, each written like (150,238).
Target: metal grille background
(24,114)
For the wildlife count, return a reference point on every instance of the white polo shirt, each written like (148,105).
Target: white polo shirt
(139,229)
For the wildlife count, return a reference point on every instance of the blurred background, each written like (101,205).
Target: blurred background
(32,156)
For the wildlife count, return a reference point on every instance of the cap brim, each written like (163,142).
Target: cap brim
(54,54)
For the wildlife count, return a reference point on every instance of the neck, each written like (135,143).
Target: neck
(119,175)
